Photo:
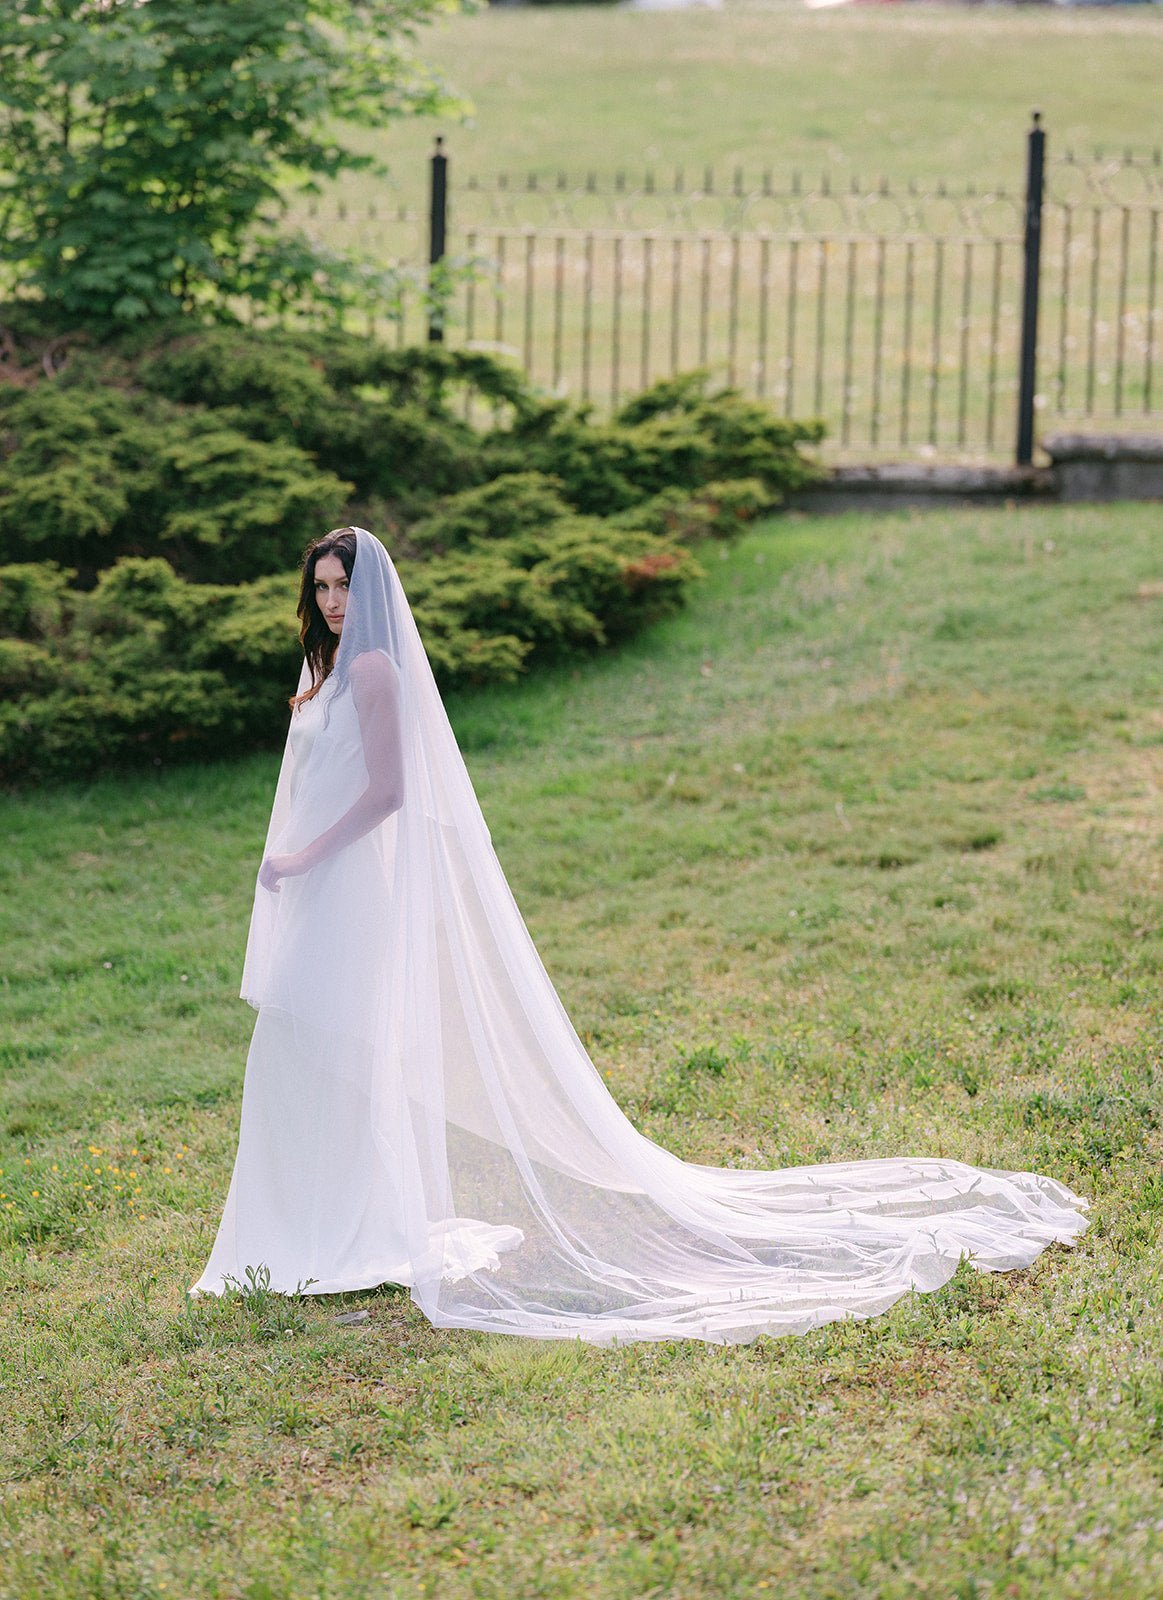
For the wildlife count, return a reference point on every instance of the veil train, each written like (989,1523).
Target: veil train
(419,1109)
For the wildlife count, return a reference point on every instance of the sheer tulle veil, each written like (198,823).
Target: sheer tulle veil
(419,1109)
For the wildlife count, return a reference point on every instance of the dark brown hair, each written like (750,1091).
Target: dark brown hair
(318,641)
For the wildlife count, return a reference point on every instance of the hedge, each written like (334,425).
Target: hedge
(155,498)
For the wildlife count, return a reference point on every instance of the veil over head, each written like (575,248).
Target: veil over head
(456,1134)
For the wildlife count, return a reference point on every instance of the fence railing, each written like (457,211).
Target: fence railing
(907,341)
(904,315)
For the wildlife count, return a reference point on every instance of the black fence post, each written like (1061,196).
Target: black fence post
(1028,369)
(437,235)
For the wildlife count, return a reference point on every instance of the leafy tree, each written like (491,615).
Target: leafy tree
(146,145)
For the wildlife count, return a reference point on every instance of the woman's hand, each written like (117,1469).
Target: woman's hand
(276,867)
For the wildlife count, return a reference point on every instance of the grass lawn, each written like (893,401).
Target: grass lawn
(859,856)
(918,91)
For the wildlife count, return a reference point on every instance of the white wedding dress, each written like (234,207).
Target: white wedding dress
(419,1110)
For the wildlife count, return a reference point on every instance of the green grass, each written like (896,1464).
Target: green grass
(927,92)
(857,857)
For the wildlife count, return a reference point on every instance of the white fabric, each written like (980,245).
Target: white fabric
(418,1108)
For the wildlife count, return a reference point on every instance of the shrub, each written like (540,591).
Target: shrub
(513,504)
(25,669)
(147,665)
(386,421)
(237,506)
(143,665)
(677,435)
(155,495)
(257,632)
(90,473)
(578,583)
(392,422)
(715,511)
(75,467)
(198,445)
(34,600)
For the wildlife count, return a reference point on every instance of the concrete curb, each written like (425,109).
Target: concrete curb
(1083,467)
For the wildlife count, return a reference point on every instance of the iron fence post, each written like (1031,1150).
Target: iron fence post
(437,235)
(1028,361)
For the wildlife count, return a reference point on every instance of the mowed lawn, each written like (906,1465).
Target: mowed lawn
(859,856)
(918,91)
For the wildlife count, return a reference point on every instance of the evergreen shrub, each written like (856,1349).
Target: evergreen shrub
(156,494)
(90,472)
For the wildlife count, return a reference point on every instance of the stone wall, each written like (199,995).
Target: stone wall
(1107,466)
(1082,467)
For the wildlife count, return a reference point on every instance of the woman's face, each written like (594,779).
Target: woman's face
(331,591)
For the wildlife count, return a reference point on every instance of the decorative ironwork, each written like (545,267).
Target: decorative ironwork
(894,311)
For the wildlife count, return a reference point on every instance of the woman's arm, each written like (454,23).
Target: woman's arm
(375,689)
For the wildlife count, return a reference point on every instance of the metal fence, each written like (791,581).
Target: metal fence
(898,313)
(897,341)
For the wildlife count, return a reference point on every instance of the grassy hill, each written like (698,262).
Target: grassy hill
(917,91)
(856,857)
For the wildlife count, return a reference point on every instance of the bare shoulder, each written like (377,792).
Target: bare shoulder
(374,670)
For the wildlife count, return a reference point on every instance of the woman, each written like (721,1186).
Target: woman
(418,1109)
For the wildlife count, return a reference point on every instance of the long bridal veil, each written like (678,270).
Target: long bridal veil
(419,1109)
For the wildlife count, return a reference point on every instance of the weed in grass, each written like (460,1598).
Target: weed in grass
(1059,793)
(685,1083)
(434,1508)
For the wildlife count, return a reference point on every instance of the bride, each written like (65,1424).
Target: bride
(418,1109)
